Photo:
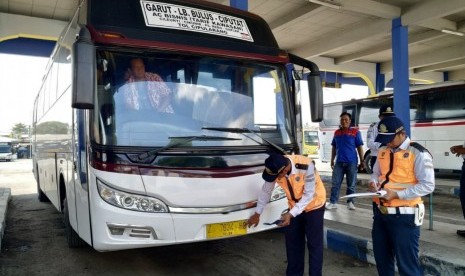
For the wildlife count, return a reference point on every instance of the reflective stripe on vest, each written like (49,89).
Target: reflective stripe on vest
(397,173)
(297,184)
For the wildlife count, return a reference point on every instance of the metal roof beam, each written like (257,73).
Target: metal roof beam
(440,66)
(361,31)
(430,58)
(370,7)
(295,15)
(432,9)
(438,24)
(413,39)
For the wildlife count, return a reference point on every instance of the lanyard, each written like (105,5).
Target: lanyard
(291,191)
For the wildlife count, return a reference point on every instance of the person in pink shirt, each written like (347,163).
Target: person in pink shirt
(144,90)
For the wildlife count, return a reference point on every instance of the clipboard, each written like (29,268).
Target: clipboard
(379,193)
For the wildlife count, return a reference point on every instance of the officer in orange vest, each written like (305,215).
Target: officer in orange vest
(306,197)
(404,169)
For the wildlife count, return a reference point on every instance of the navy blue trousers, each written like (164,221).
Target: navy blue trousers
(396,237)
(307,225)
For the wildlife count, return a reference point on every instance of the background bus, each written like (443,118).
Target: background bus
(138,178)
(437,120)
(311,143)
(7,152)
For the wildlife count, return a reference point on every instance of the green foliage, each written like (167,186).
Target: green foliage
(52,127)
(18,130)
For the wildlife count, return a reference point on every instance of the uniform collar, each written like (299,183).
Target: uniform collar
(404,145)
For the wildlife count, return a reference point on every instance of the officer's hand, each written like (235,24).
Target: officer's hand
(390,195)
(373,187)
(253,220)
(285,219)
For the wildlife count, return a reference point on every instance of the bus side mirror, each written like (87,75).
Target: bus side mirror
(314,86)
(316,96)
(84,59)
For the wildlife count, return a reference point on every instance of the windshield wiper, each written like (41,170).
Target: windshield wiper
(242,131)
(184,140)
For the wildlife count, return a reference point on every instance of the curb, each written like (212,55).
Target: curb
(5,195)
(362,249)
(352,245)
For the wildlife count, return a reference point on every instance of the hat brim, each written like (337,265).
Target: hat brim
(388,114)
(385,138)
(268,177)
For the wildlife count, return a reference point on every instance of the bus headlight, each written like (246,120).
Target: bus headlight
(130,201)
(277,194)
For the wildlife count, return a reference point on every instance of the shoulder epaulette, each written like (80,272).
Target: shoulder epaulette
(301,166)
(420,147)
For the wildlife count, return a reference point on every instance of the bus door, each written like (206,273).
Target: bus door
(78,196)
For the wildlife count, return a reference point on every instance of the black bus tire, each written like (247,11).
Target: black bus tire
(40,194)
(367,163)
(73,239)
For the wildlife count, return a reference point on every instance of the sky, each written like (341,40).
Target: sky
(20,78)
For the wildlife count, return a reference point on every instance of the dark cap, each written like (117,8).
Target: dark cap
(274,164)
(388,127)
(386,110)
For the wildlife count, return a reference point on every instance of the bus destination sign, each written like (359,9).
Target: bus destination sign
(169,16)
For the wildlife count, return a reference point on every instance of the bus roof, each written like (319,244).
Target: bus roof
(416,88)
(192,23)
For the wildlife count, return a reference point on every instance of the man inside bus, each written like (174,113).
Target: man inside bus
(144,90)
(384,111)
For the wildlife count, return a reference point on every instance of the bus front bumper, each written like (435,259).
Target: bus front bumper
(117,229)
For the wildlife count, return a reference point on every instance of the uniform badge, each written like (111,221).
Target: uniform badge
(297,178)
(406,155)
(382,129)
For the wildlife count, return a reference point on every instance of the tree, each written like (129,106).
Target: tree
(52,127)
(18,130)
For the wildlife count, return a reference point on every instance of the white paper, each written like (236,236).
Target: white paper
(170,16)
(379,193)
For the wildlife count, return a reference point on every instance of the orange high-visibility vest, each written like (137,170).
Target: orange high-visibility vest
(397,173)
(297,183)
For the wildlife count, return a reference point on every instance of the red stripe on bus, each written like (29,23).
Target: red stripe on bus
(98,37)
(176,172)
(426,124)
(431,124)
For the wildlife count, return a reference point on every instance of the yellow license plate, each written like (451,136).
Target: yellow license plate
(226,229)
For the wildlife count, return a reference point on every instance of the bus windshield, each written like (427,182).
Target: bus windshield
(5,149)
(151,98)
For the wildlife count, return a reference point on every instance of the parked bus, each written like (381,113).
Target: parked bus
(7,152)
(130,178)
(437,120)
(311,143)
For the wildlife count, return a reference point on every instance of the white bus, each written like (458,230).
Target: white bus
(140,178)
(437,120)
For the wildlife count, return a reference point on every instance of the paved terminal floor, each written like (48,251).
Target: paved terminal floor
(441,250)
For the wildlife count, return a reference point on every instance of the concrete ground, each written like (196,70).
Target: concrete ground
(349,232)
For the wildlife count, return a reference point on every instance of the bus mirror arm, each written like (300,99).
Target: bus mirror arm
(84,66)
(314,86)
